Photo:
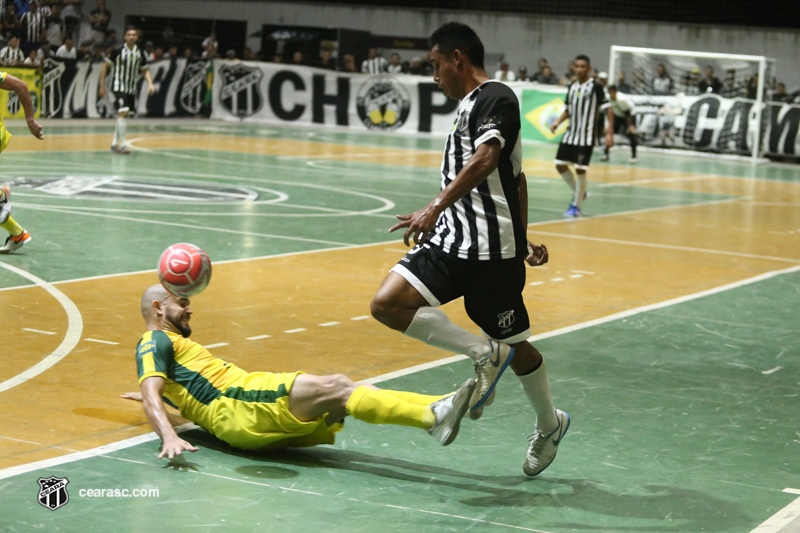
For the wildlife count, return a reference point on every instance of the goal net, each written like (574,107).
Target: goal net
(709,102)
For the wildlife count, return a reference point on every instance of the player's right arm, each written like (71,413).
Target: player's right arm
(12,83)
(172,445)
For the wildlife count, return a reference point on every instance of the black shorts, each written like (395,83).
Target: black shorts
(492,290)
(572,153)
(125,100)
(621,125)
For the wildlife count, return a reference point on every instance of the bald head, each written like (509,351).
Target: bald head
(152,293)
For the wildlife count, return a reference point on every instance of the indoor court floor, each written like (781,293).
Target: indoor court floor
(668,317)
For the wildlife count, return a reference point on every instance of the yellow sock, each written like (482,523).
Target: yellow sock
(381,407)
(11,226)
(413,397)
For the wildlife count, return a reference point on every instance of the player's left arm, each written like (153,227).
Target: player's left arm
(480,165)
(150,88)
(12,83)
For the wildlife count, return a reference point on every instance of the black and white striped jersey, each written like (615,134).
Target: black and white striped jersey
(583,103)
(484,224)
(374,66)
(9,55)
(33,26)
(128,64)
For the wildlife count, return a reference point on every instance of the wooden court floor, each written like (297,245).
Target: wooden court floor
(683,271)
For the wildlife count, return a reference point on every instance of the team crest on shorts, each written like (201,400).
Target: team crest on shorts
(241,89)
(53,492)
(505,319)
(383,103)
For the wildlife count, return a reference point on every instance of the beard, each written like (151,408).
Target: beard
(184,329)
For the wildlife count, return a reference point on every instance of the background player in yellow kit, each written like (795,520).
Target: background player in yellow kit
(17,235)
(262,410)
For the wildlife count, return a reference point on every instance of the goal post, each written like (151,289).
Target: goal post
(677,107)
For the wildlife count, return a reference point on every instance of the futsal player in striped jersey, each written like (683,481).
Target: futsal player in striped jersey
(128,62)
(17,236)
(263,410)
(471,242)
(585,95)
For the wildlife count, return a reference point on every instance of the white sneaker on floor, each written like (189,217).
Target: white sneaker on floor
(449,411)
(488,370)
(633,160)
(543,447)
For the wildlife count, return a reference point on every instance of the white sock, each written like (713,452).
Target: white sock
(121,126)
(580,190)
(432,327)
(569,178)
(537,389)
(115,142)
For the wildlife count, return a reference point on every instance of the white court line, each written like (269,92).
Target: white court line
(258,337)
(296,330)
(326,324)
(217,345)
(788,516)
(666,246)
(364,317)
(99,341)
(39,331)
(71,338)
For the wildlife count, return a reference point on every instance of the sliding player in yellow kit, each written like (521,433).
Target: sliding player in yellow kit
(17,236)
(263,410)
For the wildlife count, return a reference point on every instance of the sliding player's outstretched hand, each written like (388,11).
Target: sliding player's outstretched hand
(174,446)
(537,254)
(137,396)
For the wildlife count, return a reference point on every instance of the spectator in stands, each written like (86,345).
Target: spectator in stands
(172,53)
(570,75)
(33,28)
(522,73)
(622,85)
(602,78)
(111,39)
(374,64)
(248,55)
(11,55)
(326,60)
(150,50)
(546,77)
(10,21)
(415,67)
(99,18)
(348,63)
(298,58)
(542,63)
(710,84)
(780,94)
(45,51)
(230,55)
(98,52)
(394,67)
(752,88)
(210,51)
(71,15)
(188,53)
(662,83)
(85,49)
(54,26)
(67,50)
(426,67)
(504,74)
(277,58)
(21,6)
(211,40)
(158,53)
(32,60)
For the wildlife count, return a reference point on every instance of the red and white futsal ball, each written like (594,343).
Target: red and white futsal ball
(184,270)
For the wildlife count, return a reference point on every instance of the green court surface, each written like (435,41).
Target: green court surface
(675,427)
(684,415)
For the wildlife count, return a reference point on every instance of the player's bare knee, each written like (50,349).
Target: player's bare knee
(562,168)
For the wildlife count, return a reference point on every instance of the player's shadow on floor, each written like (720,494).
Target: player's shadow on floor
(677,508)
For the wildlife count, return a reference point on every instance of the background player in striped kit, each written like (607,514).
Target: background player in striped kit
(128,62)
(584,97)
(471,242)
(17,236)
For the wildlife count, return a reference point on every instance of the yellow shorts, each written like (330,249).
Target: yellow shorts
(5,136)
(258,417)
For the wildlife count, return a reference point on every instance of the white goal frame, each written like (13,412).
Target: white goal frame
(762,69)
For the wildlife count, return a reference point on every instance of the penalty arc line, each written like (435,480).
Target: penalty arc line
(71,338)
